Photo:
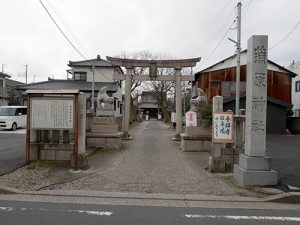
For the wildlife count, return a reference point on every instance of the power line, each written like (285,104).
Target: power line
(285,36)
(66,25)
(61,31)
(247,7)
(223,37)
(210,22)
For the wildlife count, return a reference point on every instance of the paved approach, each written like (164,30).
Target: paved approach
(12,150)
(152,163)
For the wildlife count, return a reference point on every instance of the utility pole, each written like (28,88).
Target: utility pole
(34,76)
(26,66)
(3,68)
(238,61)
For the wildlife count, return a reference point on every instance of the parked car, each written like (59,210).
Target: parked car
(13,117)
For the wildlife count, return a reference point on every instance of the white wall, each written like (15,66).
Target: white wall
(295,95)
(103,74)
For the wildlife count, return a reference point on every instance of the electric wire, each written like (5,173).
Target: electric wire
(66,25)
(282,40)
(61,31)
(216,47)
(208,24)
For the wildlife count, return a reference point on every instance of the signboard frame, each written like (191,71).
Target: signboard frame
(230,137)
(56,98)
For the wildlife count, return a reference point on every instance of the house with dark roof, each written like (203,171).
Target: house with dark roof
(8,93)
(83,73)
(220,79)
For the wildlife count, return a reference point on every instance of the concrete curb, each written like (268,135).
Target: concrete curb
(290,197)
(9,190)
(154,196)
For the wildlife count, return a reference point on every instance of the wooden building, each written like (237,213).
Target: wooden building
(219,79)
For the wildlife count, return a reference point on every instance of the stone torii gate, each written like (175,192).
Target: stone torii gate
(130,64)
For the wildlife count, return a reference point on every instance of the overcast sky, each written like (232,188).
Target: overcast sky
(179,28)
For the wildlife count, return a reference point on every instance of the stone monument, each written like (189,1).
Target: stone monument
(254,166)
(105,129)
(197,136)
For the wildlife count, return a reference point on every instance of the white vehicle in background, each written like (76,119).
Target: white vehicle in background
(13,117)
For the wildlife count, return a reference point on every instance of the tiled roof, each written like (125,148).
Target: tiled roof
(98,62)
(4,75)
(68,84)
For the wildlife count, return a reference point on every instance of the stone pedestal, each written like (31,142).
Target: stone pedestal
(253,170)
(196,139)
(105,132)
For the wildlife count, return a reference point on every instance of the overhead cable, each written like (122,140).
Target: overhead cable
(61,31)
(278,43)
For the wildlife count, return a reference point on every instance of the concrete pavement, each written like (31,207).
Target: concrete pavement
(150,166)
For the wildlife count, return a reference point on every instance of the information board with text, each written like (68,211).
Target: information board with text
(52,114)
(222,127)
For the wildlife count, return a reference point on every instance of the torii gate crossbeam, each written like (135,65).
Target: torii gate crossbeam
(130,64)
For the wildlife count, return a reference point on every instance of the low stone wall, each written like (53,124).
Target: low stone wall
(196,139)
(195,143)
(106,141)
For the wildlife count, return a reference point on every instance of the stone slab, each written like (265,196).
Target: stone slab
(105,129)
(105,113)
(195,145)
(101,120)
(63,155)
(47,155)
(65,147)
(197,131)
(216,164)
(254,177)
(255,163)
(195,137)
(106,143)
(97,135)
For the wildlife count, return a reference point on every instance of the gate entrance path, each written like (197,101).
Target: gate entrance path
(153,163)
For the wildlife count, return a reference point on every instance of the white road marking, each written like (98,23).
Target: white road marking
(6,209)
(89,212)
(230,217)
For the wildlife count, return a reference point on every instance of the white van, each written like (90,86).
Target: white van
(13,117)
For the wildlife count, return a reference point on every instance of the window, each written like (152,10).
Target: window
(80,76)
(297,86)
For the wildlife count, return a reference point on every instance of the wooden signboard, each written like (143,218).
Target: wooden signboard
(222,127)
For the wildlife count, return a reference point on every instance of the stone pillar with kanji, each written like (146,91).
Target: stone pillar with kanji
(254,166)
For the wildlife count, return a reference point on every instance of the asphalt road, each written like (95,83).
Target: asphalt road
(285,153)
(19,213)
(12,150)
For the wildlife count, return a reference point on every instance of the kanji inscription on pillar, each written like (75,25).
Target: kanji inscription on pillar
(256,96)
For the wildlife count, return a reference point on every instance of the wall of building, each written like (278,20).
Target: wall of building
(279,83)
(103,74)
(295,67)
(276,115)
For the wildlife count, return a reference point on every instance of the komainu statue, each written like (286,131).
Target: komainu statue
(198,99)
(103,99)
